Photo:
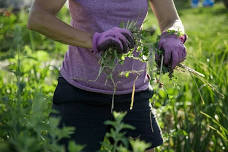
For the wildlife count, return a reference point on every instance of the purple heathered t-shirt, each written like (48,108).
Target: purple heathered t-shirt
(80,66)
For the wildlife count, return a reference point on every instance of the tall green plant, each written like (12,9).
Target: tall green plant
(25,124)
(116,141)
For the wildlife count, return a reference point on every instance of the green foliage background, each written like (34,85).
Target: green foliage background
(192,115)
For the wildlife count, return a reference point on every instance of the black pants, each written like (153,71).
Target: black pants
(87,111)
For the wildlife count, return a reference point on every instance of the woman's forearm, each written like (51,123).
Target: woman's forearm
(167,15)
(49,25)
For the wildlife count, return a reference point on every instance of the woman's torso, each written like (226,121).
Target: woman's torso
(80,67)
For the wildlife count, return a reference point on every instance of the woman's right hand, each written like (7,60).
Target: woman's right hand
(118,38)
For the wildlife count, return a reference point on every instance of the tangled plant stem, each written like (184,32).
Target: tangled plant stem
(109,59)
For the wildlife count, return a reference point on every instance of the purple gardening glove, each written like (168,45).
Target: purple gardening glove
(173,49)
(118,38)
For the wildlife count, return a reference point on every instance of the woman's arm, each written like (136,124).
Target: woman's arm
(172,45)
(43,20)
(166,14)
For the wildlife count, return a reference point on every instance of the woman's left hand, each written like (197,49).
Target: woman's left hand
(173,49)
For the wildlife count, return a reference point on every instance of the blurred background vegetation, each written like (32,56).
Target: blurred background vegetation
(192,112)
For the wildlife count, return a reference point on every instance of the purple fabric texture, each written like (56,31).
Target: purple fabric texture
(80,66)
(174,49)
(115,37)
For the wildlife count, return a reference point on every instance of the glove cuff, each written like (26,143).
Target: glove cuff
(183,38)
(176,34)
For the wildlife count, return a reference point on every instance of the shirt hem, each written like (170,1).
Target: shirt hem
(110,92)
